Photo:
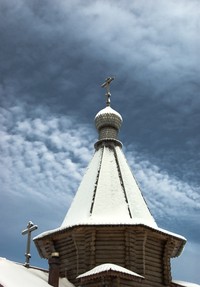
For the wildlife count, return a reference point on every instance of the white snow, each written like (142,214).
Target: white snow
(16,275)
(103,202)
(107,267)
(171,233)
(136,202)
(139,223)
(79,210)
(108,110)
(110,206)
(186,284)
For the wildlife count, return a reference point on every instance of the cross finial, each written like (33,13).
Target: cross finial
(30,227)
(106,85)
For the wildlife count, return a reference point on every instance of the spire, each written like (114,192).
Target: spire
(108,193)
(108,196)
(108,121)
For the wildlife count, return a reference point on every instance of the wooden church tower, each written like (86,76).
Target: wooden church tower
(109,237)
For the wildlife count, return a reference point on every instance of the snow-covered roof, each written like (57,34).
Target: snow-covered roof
(108,267)
(185,284)
(16,275)
(156,229)
(108,194)
(108,110)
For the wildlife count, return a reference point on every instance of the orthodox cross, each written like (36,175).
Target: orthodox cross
(30,227)
(106,85)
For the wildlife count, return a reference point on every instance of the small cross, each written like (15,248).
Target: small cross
(106,85)
(30,227)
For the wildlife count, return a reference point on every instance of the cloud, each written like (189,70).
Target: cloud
(154,41)
(53,58)
(43,158)
(167,196)
(151,48)
(42,154)
(190,254)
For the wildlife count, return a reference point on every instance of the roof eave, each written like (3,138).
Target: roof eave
(180,241)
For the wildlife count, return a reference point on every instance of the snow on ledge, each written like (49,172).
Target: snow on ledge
(108,267)
(185,284)
(101,223)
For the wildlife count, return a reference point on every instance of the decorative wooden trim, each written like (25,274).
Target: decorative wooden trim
(168,249)
(77,252)
(140,249)
(93,249)
(144,252)
(127,240)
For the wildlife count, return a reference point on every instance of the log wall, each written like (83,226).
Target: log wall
(134,248)
(154,261)
(110,246)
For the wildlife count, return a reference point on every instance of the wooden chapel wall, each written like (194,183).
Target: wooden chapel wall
(84,248)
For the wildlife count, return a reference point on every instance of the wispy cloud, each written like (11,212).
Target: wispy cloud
(149,42)
(190,254)
(42,155)
(44,158)
(167,196)
(53,57)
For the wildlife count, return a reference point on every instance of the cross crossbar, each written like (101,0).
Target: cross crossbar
(30,228)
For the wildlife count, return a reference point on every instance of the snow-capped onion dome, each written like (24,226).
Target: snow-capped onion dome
(108,123)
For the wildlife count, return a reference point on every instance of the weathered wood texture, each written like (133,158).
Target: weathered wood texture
(138,249)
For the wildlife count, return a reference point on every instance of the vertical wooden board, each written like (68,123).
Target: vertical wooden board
(153,260)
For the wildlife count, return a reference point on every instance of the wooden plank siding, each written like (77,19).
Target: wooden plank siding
(136,248)
(68,256)
(110,246)
(154,261)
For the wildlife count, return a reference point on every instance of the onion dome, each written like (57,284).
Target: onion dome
(108,123)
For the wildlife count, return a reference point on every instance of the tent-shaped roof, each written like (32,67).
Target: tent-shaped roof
(108,193)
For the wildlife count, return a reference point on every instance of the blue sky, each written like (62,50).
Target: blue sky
(54,55)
